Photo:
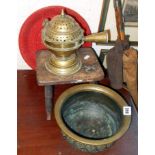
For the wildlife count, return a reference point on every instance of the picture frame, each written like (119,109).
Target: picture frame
(130,13)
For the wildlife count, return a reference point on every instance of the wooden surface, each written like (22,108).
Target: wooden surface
(36,136)
(90,71)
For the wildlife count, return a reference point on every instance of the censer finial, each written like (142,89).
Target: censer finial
(62,12)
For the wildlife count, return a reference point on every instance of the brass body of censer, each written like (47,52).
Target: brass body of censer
(63,36)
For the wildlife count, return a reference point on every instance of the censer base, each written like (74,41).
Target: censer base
(63,65)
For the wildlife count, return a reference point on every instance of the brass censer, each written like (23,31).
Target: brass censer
(63,36)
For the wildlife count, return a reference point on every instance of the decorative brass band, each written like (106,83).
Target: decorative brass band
(63,66)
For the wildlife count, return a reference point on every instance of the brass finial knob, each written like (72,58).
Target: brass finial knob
(62,12)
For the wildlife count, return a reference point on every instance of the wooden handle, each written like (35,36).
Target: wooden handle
(119,23)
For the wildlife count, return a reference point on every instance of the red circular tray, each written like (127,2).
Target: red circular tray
(30,33)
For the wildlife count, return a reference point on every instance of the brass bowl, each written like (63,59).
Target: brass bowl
(91,117)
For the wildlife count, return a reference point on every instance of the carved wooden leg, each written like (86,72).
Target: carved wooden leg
(48,101)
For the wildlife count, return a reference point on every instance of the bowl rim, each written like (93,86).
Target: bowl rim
(97,88)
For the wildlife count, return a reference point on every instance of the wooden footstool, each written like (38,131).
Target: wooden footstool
(91,71)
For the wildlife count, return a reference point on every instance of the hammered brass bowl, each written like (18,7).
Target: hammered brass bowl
(91,117)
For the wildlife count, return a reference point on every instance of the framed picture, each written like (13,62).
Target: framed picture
(130,13)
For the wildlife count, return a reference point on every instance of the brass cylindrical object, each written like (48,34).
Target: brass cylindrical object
(91,116)
(63,36)
(97,37)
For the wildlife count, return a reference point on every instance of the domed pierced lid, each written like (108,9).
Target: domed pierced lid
(62,33)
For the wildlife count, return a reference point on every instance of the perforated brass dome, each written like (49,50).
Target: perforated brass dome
(62,33)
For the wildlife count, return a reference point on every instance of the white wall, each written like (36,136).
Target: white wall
(89,9)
